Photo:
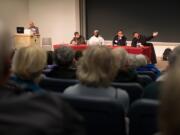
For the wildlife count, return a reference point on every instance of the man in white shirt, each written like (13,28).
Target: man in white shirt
(96,39)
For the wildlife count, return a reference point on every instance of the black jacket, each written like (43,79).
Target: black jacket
(143,40)
(62,73)
(24,113)
(120,42)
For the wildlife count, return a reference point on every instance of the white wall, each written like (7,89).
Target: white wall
(57,19)
(13,13)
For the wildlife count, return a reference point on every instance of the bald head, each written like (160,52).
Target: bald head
(96,33)
(31,24)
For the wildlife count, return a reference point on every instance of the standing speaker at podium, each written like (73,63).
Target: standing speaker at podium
(33,28)
(27,37)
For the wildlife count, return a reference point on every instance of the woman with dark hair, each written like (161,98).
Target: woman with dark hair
(170,102)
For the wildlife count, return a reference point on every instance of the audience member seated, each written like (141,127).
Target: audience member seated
(144,80)
(169,119)
(78,39)
(142,65)
(63,57)
(127,66)
(125,73)
(132,61)
(27,67)
(96,75)
(153,90)
(24,113)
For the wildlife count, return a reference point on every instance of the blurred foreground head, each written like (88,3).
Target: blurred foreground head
(174,56)
(170,98)
(4,55)
(141,60)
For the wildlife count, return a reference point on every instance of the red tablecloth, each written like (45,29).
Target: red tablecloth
(132,50)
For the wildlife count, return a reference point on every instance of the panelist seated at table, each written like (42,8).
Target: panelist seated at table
(120,39)
(78,39)
(34,29)
(96,39)
(139,39)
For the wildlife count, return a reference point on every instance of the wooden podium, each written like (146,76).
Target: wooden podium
(22,40)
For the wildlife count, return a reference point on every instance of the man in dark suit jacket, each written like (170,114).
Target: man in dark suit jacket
(120,39)
(142,40)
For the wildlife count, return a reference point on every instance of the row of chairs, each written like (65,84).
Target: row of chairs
(134,90)
(151,74)
(106,117)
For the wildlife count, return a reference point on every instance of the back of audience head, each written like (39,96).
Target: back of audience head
(121,56)
(132,63)
(141,60)
(170,98)
(64,57)
(5,56)
(172,59)
(97,67)
(28,62)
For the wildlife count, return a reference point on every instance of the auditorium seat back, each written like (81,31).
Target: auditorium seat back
(102,116)
(134,90)
(144,80)
(149,73)
(56,85)
(143,117)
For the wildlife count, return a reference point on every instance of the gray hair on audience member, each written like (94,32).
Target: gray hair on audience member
(121,56)
(141,60)
(132,62)
(169,112)
(64,56)
(174,56)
